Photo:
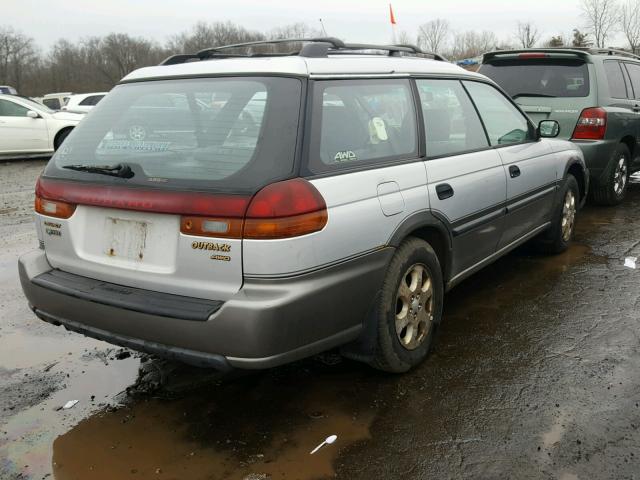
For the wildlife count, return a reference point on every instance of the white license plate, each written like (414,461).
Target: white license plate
(125,239)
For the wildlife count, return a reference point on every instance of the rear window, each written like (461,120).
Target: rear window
(91,101)
(540,77)
(220,134)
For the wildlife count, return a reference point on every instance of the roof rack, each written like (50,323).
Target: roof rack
(313,48)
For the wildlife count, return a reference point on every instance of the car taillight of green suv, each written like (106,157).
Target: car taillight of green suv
(595,97)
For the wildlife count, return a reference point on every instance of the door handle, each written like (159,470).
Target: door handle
(514,171)
(636,108)
(444,191)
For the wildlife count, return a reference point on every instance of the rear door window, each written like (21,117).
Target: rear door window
(227,134)
(540,77)
(451,123)
(504,123)
(361,122)
(617,86)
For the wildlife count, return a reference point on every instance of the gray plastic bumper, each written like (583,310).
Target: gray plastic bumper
(267,323)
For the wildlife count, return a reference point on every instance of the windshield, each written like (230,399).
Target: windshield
(540,77)
(223,134)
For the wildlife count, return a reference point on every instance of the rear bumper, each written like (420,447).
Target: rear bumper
(597,154)
(267,323)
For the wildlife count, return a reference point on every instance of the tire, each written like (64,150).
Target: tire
(612,192)
(414,265)
(60,138)
(558,237)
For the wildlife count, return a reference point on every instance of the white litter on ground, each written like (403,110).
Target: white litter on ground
(630,262)
(327,441)
(69,404)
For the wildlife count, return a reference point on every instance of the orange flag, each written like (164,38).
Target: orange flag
(391,16)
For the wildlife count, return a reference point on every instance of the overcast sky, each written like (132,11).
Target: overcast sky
(353,20)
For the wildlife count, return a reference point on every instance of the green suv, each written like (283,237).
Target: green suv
(593,94)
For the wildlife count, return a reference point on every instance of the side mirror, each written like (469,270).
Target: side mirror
(548,129)
(32,114)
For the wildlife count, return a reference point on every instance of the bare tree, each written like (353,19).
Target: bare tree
(471,44)
(17,55)
(601,18)
(433,35)
(204,35)
(630,23)
(527,34)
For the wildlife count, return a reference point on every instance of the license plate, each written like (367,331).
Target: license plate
(125,239)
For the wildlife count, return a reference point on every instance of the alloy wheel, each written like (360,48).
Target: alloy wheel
(568,215)
(414,307)
(620,176)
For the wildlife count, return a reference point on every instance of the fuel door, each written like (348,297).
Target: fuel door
(390,198)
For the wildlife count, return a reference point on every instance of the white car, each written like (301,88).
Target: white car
(29,128)
(83,102)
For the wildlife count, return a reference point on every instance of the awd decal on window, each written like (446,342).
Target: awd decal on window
(345,156)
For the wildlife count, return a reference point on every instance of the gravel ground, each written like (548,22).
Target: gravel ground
(535,374)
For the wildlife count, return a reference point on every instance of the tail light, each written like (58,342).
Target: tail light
(281,210)
(285,209)
(592,124)
(50,207)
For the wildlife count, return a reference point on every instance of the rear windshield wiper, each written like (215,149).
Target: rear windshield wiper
(121,170)
(532,95)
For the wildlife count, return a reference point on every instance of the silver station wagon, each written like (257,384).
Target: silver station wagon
(240,208)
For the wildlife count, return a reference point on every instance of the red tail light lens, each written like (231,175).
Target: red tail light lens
(50,206)
(144,200)
(285,209)
(280,210)
(592,124)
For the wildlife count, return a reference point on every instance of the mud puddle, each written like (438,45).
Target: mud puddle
(261,426)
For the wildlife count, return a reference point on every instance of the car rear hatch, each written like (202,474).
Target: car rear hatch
(151,190)
(551,85)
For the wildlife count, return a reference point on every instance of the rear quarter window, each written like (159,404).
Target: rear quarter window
(361,122)
(615,79)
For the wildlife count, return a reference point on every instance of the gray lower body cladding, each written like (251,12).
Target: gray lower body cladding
(267,323)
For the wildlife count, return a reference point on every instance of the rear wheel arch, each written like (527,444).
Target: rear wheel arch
(433,230)
(577,170)
(630,142)
(60,136)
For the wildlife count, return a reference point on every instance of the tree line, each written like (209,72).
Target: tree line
(97,63)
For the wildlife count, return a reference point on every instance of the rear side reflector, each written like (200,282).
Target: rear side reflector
(592,124)
(285,209)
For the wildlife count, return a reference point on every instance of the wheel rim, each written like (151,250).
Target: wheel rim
(620,176)
(137,132)
(568,215)
(414,307)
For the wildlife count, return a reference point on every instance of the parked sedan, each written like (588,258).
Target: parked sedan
(83,102)
(29,128)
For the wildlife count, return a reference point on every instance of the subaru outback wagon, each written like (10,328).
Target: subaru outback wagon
(269,207)
(595,97)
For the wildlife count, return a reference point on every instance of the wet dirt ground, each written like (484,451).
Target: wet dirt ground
(536,374)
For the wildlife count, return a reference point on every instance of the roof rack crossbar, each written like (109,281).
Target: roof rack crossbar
(313,47)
